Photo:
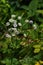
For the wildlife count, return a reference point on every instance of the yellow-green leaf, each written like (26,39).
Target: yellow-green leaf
(37,46)
(41,48)
(36,50)
(3,1)
(40,11)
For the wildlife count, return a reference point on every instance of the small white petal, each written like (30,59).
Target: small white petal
(19,24)
(13,16)
(25,35)
(19,17)
(15,25)
(11,20)
(26,20)
(31,21)
(7,24)
(14,29)
(8,35)
(34,26)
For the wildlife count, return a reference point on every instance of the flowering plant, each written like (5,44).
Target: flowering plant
(21,32)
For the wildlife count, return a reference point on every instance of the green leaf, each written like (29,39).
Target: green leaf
(3,1)
(41,48)
(40,11)
(32,7)
(36,50)
(38,46)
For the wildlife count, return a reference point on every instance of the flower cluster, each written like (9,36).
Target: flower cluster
(13,24)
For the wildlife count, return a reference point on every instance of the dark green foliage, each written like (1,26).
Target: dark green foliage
(21,49)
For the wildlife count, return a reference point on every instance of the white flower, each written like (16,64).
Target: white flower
(19,24)
(26,20)
(11,20)
(14,29)
(25,35)
(19,17)
(34,26)
(7,24)
(15,24)
(31,21)
(8,35)
(13,16)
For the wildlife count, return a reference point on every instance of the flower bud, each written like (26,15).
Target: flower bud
(19,17)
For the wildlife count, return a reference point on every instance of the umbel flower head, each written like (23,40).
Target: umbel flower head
(15,23)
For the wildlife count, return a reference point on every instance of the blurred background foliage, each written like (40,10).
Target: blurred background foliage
(21,50)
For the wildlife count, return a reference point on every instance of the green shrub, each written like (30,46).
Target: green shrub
(21,32)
